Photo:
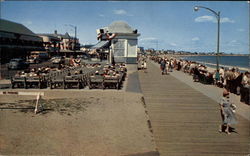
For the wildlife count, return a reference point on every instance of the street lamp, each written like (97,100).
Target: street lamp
(75,37)
(217,15)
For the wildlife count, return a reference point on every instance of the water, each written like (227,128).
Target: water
(242,62)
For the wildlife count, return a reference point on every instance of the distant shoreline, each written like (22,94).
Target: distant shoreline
(210,66)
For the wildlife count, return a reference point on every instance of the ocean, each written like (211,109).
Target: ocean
(242,62)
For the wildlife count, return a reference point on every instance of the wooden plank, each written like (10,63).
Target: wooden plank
(185,122)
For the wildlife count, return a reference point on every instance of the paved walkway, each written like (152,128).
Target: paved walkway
(185,121)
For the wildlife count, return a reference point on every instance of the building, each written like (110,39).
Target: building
(121,40)
(59,42)
(17,40)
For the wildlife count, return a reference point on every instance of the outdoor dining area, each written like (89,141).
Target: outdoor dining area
(67,77)
(111,77)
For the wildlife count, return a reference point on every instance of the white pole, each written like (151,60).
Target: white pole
(37,100)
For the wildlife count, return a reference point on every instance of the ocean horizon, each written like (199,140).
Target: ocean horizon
(241,62)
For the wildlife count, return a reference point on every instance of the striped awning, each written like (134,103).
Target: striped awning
(100,44)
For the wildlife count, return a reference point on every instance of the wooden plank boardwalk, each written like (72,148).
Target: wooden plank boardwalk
(185,122)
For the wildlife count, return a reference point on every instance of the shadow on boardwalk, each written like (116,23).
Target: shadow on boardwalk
(186,122)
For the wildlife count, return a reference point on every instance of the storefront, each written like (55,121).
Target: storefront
(17,40)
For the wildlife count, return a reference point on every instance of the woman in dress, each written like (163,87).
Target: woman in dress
(227,113)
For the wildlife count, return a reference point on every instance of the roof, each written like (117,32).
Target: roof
(119,27)
(12,27)
(65,36)
(100,44)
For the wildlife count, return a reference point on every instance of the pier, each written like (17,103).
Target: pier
(186,121)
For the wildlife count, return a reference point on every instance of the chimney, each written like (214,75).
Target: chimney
(56,32)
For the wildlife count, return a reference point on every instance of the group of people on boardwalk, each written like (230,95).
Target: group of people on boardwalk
(142,63)
(166,66)
(231,80)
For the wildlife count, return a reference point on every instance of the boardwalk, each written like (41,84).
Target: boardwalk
(185,121)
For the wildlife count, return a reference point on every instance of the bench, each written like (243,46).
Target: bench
(18,82)
(73,81)
(36,82)
(56,83)
(96,81)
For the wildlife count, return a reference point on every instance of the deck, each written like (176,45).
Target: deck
(185,121)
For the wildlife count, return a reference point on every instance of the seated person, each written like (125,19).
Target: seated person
(97,72)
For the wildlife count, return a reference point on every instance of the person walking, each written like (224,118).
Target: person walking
(144,66)
(227,112)
(163,67)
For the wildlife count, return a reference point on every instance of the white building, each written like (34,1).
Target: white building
(123,41)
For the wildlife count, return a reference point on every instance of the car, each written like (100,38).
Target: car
(33,60)
(17,63)
(57,60)
(85,57)
(42,55)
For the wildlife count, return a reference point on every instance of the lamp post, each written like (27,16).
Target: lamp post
(217,15)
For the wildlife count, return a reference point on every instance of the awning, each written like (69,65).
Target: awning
(100,44)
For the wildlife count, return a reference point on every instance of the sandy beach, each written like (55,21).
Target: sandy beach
(78,123)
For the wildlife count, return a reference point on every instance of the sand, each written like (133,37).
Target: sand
(89,123)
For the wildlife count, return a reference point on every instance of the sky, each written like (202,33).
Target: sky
(162,24)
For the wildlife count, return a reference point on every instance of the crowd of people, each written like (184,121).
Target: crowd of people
(111,70)
(44,71)
(110,76)
(231,79)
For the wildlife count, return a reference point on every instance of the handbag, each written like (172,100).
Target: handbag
(233,107)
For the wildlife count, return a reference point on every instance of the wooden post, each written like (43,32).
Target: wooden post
(25,82)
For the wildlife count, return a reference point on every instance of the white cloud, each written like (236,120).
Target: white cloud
(148,39)
(213,19)
(27,23)
(226,20)
(173,44)
(233,41)
(101,15)
(205,19)
(240,30)
(195,39)
(120,12)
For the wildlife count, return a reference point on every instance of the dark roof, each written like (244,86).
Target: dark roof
(87,46)
(45,34)
(12,27)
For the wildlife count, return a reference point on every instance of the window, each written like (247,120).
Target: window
(119,47)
